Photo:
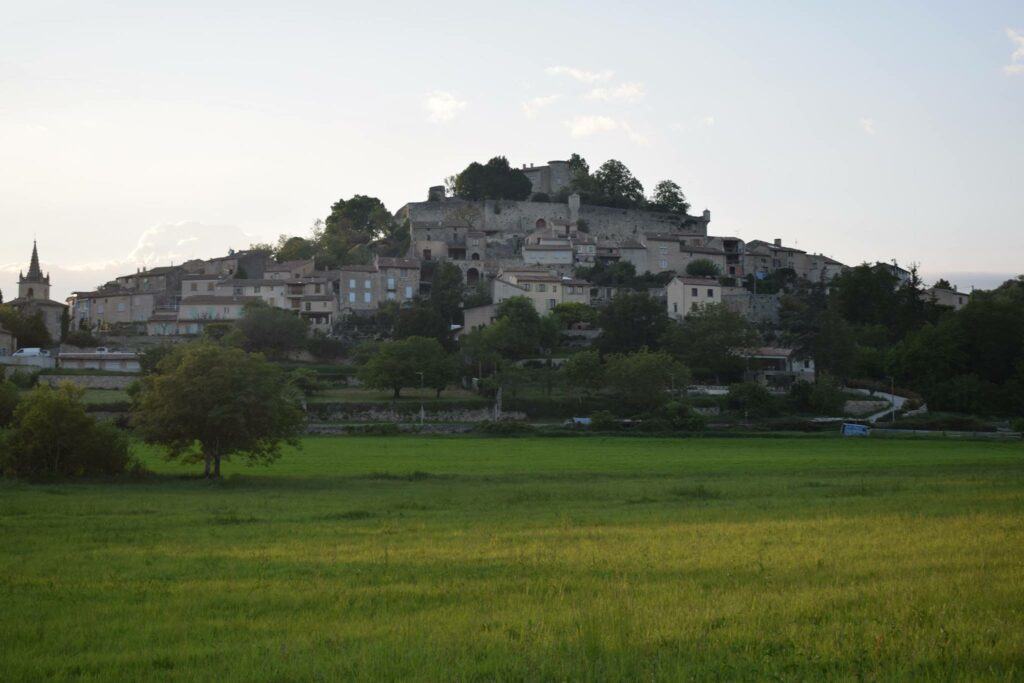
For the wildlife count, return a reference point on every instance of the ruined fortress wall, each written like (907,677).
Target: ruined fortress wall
(521,218)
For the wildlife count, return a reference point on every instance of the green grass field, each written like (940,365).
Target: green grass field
(528,560)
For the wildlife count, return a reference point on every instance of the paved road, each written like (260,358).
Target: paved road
(885,396)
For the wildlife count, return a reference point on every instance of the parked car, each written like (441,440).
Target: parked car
(31,351)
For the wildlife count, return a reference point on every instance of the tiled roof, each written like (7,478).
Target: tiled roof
(207,300)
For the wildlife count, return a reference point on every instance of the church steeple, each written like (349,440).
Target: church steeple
(34,271)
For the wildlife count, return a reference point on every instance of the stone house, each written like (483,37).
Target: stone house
(289,270)
(365,287)
(947,297)
(776,367)
(109,306)
(687,294)
(765,257)
(544,290)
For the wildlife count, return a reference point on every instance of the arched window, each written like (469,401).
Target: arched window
(31,293)
(541,224)
(426,254)
(472,276)
(475,256)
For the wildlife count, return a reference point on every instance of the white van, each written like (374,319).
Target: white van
(31,352)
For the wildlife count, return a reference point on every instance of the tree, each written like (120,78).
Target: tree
(421,320)
(29,330)
(212,403)
(617,185)
(359,220)
(668,196)
(942,283)
(8,402)
(446,292)
(570,313)
(518,330)
(834,347)
(707,341)
(271,330)
(398,364)
(52,435)
(641,381)
(702,267)
(494,180)
(630,322)
(584,372)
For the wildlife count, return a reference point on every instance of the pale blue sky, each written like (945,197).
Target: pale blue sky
(133,133)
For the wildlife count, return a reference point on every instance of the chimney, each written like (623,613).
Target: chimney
(778,241)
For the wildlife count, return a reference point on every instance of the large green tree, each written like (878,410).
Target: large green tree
(630,322)
(642,381)
(29,330)
(270,330)
(211,403)
(397,364)
(494,180)
(668,196)
(617,185)
(708,340)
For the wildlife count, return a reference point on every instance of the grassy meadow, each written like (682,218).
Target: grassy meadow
(468,559)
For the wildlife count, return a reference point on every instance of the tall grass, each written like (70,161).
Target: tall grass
(525,559)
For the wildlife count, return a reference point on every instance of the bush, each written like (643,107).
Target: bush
(603,421)
(81,338)
(326,348)
(24,379)
(752,399)
(8,402)
(51,435)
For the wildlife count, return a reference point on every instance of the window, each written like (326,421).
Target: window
(193,287)
(408,292)
(554,288)
(239,291)
(209,286)
(711,294)
(120,307)
(663,264)
(309,306)
(527,287)
(693,292)
(551,303)
(542,287)
(351,297)
(256,289)
(99,308)
(366,297)
(318,288)
(366,284)
(663,250)
(391,283)
(352,284)
(227,311)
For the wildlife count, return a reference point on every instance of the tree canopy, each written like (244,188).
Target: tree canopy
(270,330)
(397,364)
(494,180)
(209,402)
(668,196)
(630,322)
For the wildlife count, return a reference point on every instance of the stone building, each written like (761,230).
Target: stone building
(34,297)
(7,342)
(363,288)
(687,295)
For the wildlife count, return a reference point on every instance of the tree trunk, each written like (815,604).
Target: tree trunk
(206,468)
(216,467)
(397,390)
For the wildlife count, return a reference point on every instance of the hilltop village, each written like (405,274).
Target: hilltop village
(568,242)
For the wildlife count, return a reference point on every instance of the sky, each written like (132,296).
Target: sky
(138,134)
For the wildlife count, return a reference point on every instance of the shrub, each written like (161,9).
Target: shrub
(752,399)
(24,379)
(603,421)
(8,402)
(51,435)
(326,348)
(81,338)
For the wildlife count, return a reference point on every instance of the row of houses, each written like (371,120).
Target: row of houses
(181,300)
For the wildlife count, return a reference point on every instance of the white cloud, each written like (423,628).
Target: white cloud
(534,106)
(585,126)
(443,106)
(580,75)
(630,92)
(709,121)
(867,125)
(1016,65)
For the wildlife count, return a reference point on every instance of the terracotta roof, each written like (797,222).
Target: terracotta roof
(547,247)
(705,281)
(392,262)
(357,268)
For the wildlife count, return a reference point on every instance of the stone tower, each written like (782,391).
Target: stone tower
(34,285)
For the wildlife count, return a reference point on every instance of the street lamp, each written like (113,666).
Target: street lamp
(421,397)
